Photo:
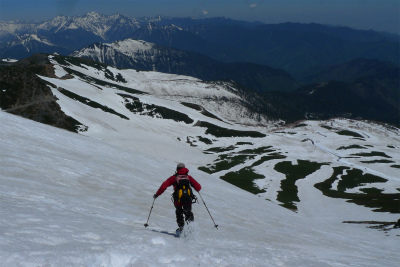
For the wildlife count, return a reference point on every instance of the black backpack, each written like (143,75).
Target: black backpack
(183,192)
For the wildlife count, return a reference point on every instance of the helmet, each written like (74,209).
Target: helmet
(180,166)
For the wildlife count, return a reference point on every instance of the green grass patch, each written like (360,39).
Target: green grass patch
(120,78)
(396,166)
(244,179)
(350,133)
(192,106)
(225,162)
(91,103)
(371,190)
(201,109)
(220,149)
(204,140)
(378,161)
(326,185)
(371,197)
(134,105)
(209,114)
(103,83)
(351,147)
(283,132)
(327,127)
(243,143)
(78,61)
(355,178)
(81,62)
(288,193)
(373,154)
(257,151)
(271,156)
(224,132)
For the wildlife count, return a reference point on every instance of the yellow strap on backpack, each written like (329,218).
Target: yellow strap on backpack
(179,195)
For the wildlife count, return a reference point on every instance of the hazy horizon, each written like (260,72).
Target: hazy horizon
(374,15)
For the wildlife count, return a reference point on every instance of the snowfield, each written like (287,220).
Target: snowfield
(128,47)
(71,200)
(215,98)
(82,199)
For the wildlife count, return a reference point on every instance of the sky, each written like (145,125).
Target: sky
(379,15)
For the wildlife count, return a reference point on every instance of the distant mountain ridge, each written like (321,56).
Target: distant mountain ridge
(370,90)
(352,70)
(293,47)
(31,44)
(141,55)
(100,25)
(343,72)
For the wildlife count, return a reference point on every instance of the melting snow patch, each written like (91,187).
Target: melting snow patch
(59,72)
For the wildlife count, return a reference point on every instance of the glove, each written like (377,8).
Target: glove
(155,196)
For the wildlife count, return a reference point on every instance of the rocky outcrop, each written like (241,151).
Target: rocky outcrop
(23,93)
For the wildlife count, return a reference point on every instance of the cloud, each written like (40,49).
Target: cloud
(254,3)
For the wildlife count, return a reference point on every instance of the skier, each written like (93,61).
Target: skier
(183,208)
(397,225)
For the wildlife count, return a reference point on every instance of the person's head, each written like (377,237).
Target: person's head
(180,166)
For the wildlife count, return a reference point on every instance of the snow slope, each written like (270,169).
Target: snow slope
(129,47)
(71,200)
(82,199)
(316,141)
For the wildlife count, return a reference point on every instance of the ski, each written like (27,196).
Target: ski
(178,233)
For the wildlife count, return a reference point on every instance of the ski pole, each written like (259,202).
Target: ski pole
(215,225)
(146,224)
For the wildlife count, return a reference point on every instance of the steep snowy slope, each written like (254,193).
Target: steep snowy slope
(71,200)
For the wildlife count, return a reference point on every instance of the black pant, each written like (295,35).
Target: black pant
(184,210)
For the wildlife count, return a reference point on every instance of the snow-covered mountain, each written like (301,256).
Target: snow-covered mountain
(127,53)
(66,33)
(30,44)
(98,24)
(281,46)
(106,27)
(141,55)
(280,195)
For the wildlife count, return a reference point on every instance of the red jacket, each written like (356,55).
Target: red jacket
(172,181)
